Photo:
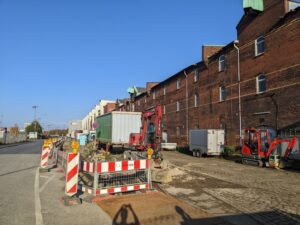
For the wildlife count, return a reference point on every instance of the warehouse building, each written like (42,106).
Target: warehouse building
(253,81)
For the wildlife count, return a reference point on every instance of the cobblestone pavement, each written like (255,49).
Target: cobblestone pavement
(241,193)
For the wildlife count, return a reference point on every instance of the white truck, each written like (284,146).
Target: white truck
(209,142)
(33,135)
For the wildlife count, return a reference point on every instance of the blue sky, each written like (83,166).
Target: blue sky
(65,55)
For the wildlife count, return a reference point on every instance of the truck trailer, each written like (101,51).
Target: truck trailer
(208,142)
(114,128)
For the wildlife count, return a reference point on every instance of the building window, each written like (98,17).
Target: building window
(165,90)
(222,93)
(178,131)
(153,95)
(293,4)
(221,63)
(164,109)
(146,99)
(139,102)
(196,100)
(196,75)
(178,84)
(259,46)
(261,84)
(177,106)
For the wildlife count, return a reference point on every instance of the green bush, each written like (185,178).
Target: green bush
(229,150)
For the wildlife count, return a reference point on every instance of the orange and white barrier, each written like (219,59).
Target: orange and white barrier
(72,174)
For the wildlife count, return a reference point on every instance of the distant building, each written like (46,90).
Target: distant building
(74,126)
(88,122)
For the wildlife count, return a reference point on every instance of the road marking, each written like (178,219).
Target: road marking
(37,200)
(45,184)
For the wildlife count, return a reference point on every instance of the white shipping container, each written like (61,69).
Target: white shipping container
(116,127)
(207,142)
(123,124)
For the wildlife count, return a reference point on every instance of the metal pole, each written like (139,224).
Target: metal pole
(239,89)
(34,107)
(96,178)
(149,175)
(187,107)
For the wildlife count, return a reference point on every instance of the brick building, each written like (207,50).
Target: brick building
(266,57)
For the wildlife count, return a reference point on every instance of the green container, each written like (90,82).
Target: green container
(104,129)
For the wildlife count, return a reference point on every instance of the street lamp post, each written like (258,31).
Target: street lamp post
(34,107)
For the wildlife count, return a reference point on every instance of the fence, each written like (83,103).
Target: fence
(8,138)
(116,177)
(109,177)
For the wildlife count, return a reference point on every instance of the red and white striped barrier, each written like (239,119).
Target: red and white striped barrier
(45,157)
(111,167)
(72,174)
(115,189)
(123,176)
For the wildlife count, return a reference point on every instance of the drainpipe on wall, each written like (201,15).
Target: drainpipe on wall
(187,107)
(239,88)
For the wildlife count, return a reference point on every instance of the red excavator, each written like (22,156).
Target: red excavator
(262,147)
(150,133)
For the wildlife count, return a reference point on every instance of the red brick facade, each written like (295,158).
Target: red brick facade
(278,106)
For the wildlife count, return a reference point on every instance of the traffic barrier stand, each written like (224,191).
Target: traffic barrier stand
(44,159)
(71,174)
(48,157)
(116,177)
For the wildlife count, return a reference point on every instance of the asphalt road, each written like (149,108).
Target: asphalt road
(18,165)
(30,197)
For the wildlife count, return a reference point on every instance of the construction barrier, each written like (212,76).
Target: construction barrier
(116,177)
(72,174)
(45,157)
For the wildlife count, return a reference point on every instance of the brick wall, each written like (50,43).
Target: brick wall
(278,107)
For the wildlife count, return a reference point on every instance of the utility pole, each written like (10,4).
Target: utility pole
(34,108)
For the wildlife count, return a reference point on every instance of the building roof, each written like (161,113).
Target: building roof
(221,51)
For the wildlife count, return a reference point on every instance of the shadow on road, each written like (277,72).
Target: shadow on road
(17,171)
(121,216)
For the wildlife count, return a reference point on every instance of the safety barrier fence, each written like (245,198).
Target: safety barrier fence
(104,177)
(116,177)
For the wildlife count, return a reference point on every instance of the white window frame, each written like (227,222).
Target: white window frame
(222,98)
(178,84)
(165,90)
(164,109)
(177,106)
(153,95)
(196,100)
(145,99)
(221,63)
(258,81)
(257,42)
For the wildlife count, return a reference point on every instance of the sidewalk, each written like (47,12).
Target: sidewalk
(54,212)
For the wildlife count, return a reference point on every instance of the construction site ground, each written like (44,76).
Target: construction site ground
(240,194)
(155,208)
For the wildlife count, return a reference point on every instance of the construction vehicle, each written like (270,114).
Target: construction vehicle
(149,137)
(262,147)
